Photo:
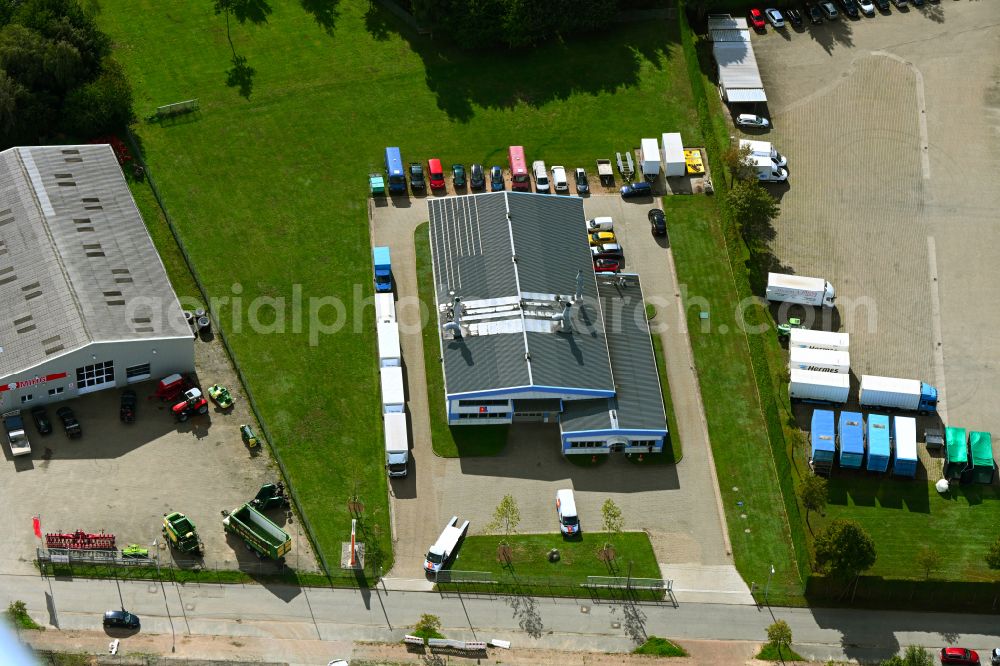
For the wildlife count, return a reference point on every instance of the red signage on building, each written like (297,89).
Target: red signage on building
(13,386)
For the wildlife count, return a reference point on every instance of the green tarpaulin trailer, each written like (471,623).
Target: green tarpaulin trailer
(983,466)
(956,456)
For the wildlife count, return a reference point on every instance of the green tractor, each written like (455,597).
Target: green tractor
(181,533)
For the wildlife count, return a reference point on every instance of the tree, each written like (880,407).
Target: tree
(752,208)
(101,106)
(613,522)
(844,550)
(928,559)
(737,161)
(993,555)
(814,494)
(428,626)
(779,634)
(506,518)
(913,656)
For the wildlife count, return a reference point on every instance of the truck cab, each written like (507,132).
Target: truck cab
(383,269)
(928,399)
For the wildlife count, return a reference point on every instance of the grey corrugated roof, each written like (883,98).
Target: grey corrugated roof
(737,64)
(638,402)
(726,22)
(76,262)
(472,242)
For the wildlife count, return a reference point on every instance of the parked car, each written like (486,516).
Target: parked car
(850,8)
(41,418)
(435,173)
(636,190)
(458,175)
(417,182)
(582,184)
(70,425)
(958,655)
(794,17)
(657,222)
(121,618)
(559,182)
(126,406)
(607,265)
(602,237)
(496,179)
(917,3)
(774,17)
(814,12)
(883,5)
(477,177)
(752,121)
(541,176)
(830,12)
(867,7)
(608,251)
(756,18)
(900,4)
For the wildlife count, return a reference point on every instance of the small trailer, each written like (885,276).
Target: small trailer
(605,173)
(258,532)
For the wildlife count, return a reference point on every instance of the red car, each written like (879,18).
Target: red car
(957,655)
(436,173)
(756,19)
(602,265)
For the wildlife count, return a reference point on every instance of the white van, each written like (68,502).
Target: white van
(604,223)
(541,176)
(559,181)
(569,522)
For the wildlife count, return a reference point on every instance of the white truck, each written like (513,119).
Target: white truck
(397,444)
(799,289)
(393,393)
(893,393)
(16,437)
(765,148)
(808,339)
(819,360)
(812,386)
(445,546)
(389,354)
(650,164)
(767,171)
(674,164)
(385,309)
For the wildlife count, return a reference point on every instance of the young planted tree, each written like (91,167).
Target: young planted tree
(428,626)
(779,634)
(844,550)
(737,161)
(814,495)
(993,555)
(929,560)
(913,656)
(613,523)
(506,518)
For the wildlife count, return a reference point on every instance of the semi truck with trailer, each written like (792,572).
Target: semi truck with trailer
(799,289)
(383,269)
(385,309)
(893,393)
(808,339)
(258,532)
(444,548)
(819,360)
(389,354)
(393,393)
(397,444)
(813,386)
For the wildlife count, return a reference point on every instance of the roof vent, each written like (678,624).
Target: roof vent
(122,275)
(7,275)
(24,324)
(113,298)
(578,296)
(33,290)
(93,249)
(3,247)
(83,224)
(52,345)
(6,217)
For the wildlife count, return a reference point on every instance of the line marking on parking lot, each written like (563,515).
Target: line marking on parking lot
(925,158)
(936,328)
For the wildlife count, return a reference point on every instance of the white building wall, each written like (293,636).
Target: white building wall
(57,378)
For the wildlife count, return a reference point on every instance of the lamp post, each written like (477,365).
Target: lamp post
(173,632)
(768,586)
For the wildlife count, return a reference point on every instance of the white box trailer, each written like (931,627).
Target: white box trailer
(650,164)
(819,360)
(809,339)
(397,444)
(393,393)
(385,309)
(799,289)
(812,386)
(673,155)
(389,353)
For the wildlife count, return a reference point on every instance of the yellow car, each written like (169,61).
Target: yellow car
(602,238)
(693,160)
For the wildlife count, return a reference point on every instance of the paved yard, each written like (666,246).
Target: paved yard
(676,505)
(122,478)
(891,126)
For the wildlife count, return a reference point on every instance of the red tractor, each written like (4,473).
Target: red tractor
(193,403)
(171,387)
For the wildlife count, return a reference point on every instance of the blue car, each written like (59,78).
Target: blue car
(637,190)
(496,179)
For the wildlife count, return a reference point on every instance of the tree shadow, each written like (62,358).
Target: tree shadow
(326,13)
(494,78)
(932,12)
(240,76)
(525,611)
(255,11)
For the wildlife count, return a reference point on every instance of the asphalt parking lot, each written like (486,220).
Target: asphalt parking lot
(122,478)
(891,126)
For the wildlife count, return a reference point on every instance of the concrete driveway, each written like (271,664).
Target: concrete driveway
(891,126)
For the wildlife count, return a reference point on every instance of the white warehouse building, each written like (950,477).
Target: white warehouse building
(85,298)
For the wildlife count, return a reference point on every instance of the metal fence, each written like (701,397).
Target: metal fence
(310,533)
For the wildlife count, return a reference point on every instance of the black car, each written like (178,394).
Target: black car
(883,5)
(417,182)
(121,618)
(794,17)
(41,418)
(582,184)
(477,177)
(657,222)
(70,424)
(496,178)
(458,175)
(814,13)
(636,190)
(850,8)
(830,12)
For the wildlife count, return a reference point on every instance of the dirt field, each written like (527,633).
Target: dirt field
(122,478)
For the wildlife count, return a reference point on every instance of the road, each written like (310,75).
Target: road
(242,613)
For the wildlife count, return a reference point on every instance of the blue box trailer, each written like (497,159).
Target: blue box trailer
(824,446)
(394,169)
(879,446)
(852,440)
(383,269)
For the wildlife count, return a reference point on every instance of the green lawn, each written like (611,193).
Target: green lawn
(660,647)
(269,193)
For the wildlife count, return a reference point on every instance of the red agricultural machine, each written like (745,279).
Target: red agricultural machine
(172,386)
(80,540)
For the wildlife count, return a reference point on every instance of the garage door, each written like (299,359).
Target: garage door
(95,377)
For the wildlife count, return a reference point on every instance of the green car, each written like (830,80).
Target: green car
(458,175)
(220,394)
